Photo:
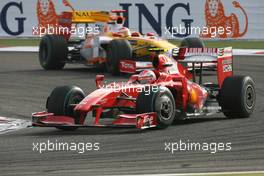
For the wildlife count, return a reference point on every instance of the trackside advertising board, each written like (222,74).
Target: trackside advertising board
(216,19)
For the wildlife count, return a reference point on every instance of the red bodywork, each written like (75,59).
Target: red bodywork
(115,95)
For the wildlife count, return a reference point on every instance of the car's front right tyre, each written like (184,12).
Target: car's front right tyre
(61,100)
(117,50)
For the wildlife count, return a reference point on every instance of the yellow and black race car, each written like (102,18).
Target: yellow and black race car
(106,43)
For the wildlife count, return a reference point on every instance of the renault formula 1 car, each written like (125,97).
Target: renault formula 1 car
(154,98)
(106,47)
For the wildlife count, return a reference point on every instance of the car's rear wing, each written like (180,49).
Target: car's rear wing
(67,18)
(90,16)
(222,57)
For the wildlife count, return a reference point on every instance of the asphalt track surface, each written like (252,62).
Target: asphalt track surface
(24,87)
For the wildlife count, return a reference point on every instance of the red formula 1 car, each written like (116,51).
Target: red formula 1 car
(154,98)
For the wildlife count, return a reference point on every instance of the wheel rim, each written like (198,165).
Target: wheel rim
(164,107)
(250,94)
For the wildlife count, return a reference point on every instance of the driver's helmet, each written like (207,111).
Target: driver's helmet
(161,61)
(120,20)
(125,32)
(147,76)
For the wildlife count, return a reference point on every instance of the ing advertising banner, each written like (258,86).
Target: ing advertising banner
(212,19)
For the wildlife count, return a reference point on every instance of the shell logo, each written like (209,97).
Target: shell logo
(215,17)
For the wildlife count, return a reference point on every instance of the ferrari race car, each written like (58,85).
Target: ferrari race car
(108,48)
(154,98)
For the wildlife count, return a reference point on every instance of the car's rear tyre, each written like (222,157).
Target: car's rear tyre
(160,101)
(117,50)
(53,51)
(192,42)
(237,96)
(60,100)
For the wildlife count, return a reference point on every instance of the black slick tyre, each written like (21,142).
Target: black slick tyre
(53,50)
(192,42)
(60,103)
(117,50)
(237,96)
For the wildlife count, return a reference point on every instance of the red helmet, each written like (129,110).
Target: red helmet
(161,61)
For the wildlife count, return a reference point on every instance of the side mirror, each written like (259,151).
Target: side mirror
(99,81)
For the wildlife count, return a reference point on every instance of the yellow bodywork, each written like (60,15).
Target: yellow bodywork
(141,42)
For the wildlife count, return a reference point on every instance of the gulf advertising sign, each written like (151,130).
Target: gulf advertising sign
(211,19)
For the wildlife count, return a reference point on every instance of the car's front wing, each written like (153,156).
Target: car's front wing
(139,121)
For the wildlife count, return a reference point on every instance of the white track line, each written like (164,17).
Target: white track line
(203,174)
(248,52)
(12,124)
(19,49)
